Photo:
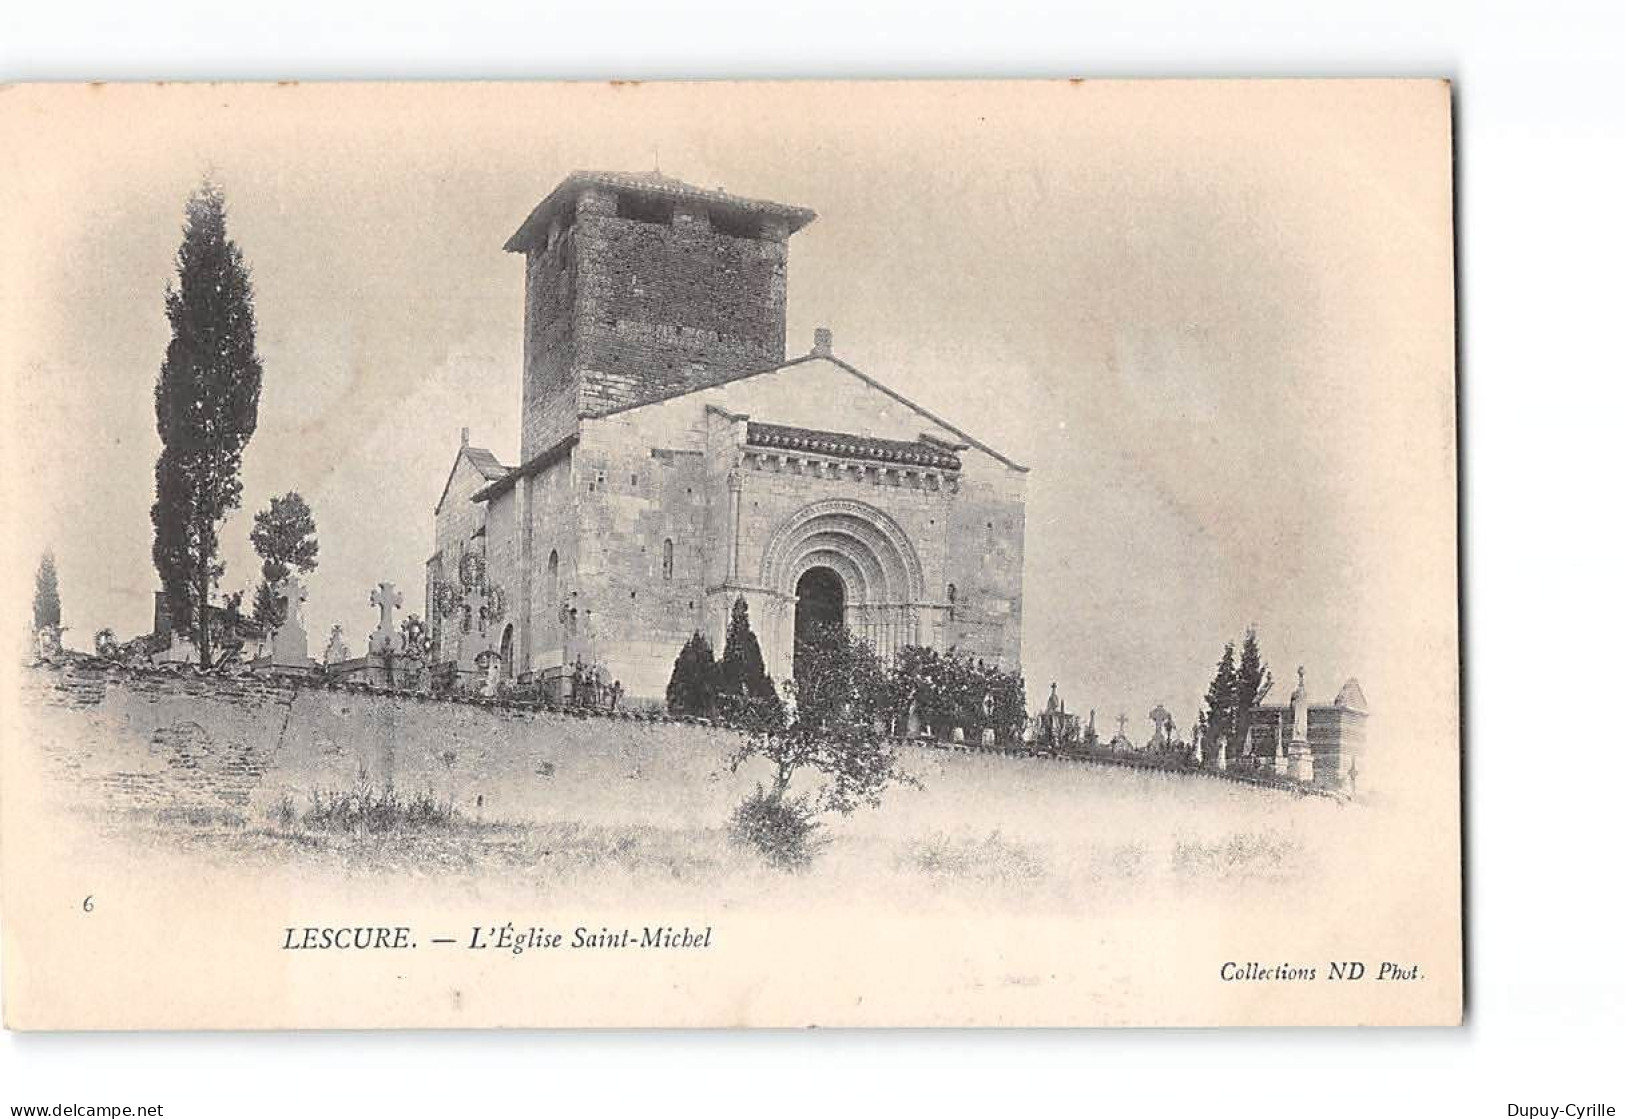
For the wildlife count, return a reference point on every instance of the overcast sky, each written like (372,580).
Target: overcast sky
(1215,321)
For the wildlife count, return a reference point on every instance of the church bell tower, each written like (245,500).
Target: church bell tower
(640,287)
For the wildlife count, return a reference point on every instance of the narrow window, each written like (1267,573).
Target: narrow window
(953,600)
(665,560)
(552,574)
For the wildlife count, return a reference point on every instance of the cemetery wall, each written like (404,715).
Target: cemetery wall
(238,746)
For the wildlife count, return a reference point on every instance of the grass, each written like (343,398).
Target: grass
(365,810)
(1100,839)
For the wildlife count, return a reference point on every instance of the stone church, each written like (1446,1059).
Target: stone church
(673,458)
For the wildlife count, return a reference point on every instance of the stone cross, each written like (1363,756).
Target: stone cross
(290,592)
(289,646)
(387,599)
(1122,726)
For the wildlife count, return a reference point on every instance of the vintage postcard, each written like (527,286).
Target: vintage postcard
(729,554)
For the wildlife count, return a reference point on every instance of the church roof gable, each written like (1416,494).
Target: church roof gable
(510,477)
(969,440)
(483,462)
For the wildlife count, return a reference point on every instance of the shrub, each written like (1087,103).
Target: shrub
(692,690)
(782,829)
(951,689)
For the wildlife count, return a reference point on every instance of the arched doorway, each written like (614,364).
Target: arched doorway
(507,653)
(870,558)
(820,601)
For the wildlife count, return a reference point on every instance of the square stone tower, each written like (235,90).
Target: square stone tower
(640,287)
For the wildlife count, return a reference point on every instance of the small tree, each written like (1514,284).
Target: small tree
(918,683)
(954,690)
(284,537)
(842,697)
(207,406)
(47,601)
(692,689)
(1008,693)
(744,690)
(1253,683)
(1219,706)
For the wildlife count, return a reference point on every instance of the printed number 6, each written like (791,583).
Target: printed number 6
(90,904)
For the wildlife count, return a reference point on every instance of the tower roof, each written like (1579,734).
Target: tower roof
(648,183)
(1351,697)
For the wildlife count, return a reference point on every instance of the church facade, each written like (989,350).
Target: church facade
(673,459)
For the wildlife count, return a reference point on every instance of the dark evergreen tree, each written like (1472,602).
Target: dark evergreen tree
(743,687)
(284,537)
(207,405)
(1220,707)
(47,601)
(1253,683)
(692,689)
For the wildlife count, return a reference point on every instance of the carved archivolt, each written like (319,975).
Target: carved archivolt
(869,550)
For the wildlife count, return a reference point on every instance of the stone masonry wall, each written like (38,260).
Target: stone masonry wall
(619,310)
(456,523)
(638,494)
(173,740)
(551,394)
(681,494)
(664,308)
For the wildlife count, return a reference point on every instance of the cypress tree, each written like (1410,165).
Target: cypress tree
(692,689)
(1220,707)
(742,681)
(1252,684)
(47,601)
(207,405)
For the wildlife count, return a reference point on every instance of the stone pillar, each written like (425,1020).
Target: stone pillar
(735,485)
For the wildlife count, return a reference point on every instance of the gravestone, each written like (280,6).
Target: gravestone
(1300,759)
(337,650)
(48,642)
(490,663)
(290,647)
(1162,725)
(384,639)
(1120,741)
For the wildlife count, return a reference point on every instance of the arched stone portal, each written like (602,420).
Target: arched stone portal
(820,601)
(866,552)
